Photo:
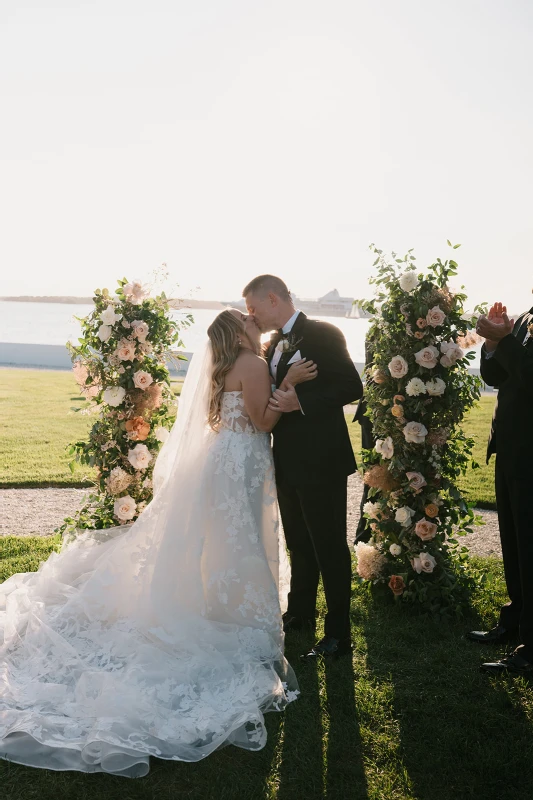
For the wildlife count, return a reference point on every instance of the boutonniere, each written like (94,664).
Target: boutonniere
(288,344)
(530,328)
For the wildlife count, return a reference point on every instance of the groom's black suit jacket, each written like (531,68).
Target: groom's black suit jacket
(314,447)
(510,369)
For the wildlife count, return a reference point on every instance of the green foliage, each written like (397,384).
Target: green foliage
(120,366)
(418,391)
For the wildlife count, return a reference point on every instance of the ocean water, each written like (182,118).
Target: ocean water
(56,323)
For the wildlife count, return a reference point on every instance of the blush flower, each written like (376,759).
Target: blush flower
(385,447)
(428,357)
(109,317)
(425,530)
(370,562)
(125,508)
(398,367)
(140,329)
(416,480)
(435,387)
(125,350)
(142,380)
(397,585)
(139,457)
(415,432)
(435,317)
(424,562)
(114,396)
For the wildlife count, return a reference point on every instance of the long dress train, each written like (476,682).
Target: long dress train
(162,638)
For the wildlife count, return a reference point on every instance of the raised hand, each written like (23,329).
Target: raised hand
(284,402)
(495,326)
(496,313)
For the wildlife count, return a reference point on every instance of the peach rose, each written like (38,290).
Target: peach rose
(397,411)
(140,329)
(138,429)
(398,398)
(415,432)
(418,335)
(397,585)
(425,530)
(431,510)
(378,376)
(125,350)
(421,323)
(142,380)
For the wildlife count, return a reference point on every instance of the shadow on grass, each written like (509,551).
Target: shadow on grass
(462,734)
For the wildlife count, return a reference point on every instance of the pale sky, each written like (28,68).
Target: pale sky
(233,137)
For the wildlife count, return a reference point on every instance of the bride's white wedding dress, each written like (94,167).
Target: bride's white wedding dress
(163,637)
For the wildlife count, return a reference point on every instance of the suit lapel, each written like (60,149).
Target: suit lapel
(295,334)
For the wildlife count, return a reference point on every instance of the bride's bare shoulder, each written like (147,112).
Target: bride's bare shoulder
(248,361)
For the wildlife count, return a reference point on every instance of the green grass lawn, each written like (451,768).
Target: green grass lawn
(36,425)
(409,718)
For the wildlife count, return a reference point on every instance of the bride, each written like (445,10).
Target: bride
(162,638)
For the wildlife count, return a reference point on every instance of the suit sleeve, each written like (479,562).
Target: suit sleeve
(338,383)
(492,372)
(516,360)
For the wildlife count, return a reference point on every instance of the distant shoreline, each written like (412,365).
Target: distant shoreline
(69,300)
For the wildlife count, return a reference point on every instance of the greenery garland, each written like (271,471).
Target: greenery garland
(418,390)
(120,365)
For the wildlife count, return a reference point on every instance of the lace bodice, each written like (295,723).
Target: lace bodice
(233,414)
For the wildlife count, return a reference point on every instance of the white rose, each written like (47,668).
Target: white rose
(104,332)
(408,280)
(161,434)
(385,447)
(415,387)
(446,362)
(428,357)
(436,387)
(398,367)
(435,317)
(109,317)
(372,509)
(140,329)
(403,515)
(125,508)
(424,562)
(139,457)
(142,380)
(395,549)
(114,395)
(415,432)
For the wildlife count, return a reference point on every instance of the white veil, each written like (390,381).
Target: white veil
(144,639)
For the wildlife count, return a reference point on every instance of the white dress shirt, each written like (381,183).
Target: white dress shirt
(287,328)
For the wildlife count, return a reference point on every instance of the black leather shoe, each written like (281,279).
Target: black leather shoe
(497,635)
(513,665)
(328,647)
(298,624)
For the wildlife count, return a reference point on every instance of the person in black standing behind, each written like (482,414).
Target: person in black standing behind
(313,457)
(363,532)
(507,363)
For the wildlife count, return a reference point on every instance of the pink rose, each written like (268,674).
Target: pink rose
(421,323)
(125,350)
(142,380)
(425,530)
(435,317)
(428,357)
(416,480)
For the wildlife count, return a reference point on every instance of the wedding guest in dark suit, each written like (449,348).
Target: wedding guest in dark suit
(507,363)
(313,457)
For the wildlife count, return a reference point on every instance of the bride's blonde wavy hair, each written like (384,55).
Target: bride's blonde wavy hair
(224,334)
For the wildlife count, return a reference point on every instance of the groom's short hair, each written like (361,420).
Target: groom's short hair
(264,284)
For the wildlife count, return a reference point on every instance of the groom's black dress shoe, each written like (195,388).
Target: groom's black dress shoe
(328,647)
(497,635)
(298,623)
(514,664)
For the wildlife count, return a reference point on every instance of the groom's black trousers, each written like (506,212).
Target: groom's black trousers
(314,521)
(515,517)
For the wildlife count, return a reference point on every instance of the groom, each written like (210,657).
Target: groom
(313,457)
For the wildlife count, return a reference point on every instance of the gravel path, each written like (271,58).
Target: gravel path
(36,512)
